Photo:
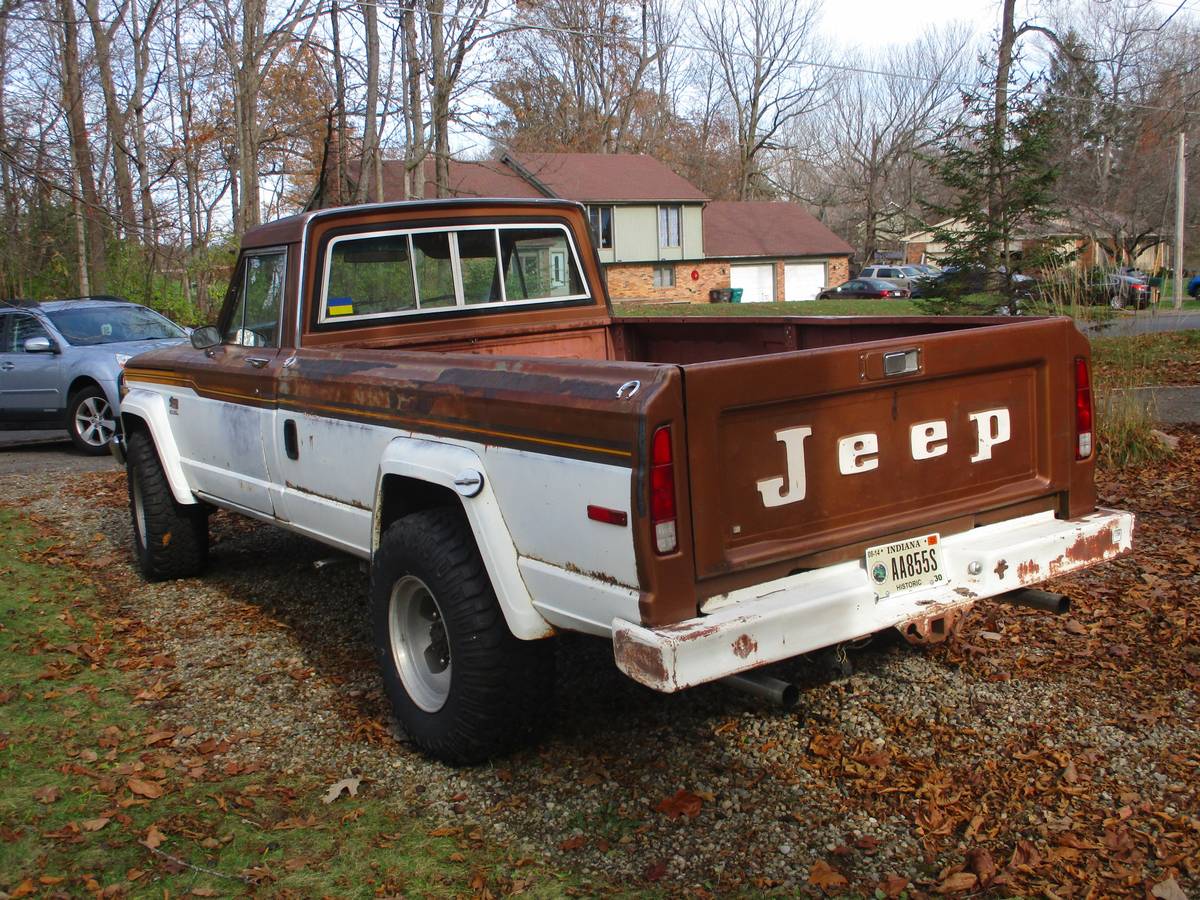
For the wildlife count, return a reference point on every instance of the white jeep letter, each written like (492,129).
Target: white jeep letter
(771,489)
(924,438)
(852,449)
(991,428)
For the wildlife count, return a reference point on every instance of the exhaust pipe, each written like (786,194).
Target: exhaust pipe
(781,693)
(1035,599)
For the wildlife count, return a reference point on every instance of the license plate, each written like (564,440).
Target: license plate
(905,565)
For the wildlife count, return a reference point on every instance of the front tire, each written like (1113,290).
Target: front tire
(90,421)
(170,540)
(461,685)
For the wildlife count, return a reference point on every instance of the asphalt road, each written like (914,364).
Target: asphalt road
(37,451)
(1144,322)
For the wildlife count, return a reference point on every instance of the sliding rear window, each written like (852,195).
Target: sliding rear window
(421,271)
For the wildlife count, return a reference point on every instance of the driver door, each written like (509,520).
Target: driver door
(30,389)
(224,421)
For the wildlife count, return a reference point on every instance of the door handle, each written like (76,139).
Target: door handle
(257,361)
(291,444)
(7,366)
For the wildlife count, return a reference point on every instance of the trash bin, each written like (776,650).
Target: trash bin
(714,296)
(735,295)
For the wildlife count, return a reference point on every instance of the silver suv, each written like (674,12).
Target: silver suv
(904,276)
(59,363)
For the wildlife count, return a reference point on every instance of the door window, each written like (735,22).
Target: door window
(21,328)
(254,321)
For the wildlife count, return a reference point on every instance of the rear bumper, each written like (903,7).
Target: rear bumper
(793,615)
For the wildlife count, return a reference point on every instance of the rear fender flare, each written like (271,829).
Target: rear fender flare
(441,464)
(151,409)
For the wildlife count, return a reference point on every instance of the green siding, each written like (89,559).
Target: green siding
(635,235)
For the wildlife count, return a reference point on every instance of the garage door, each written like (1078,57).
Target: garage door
(757,282)
(802,281)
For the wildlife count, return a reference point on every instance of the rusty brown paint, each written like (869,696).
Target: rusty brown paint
(1028,570)
(1089,548)
(934,628)
(643,663)
(744,646)
(1001,568)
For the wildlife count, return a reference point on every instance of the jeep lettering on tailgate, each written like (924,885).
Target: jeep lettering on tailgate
(858,453)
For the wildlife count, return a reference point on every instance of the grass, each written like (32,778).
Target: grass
(803,308)
(95,794)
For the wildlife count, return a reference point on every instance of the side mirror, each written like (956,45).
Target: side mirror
(38,345)
(205,337)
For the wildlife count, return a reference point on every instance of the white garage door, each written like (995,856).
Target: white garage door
(802,281)
(757,282)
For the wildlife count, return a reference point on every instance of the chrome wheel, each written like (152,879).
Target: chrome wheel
(420,648)
(94,422)
(1115,302)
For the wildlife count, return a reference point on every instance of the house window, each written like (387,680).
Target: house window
(668,226)
(664,276)
(601,218)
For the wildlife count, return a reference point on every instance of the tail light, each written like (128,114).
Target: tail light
(1084,443)
(662,491)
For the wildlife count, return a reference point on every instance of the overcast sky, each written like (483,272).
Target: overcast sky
(877,23)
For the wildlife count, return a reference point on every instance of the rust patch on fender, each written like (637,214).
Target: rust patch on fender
(640,662)
(1028,570)
(1095,546)
(744,646)
(1001,568)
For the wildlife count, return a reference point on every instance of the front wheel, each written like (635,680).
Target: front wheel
(462,686)
(1116,302)
(170,540)
(90,421)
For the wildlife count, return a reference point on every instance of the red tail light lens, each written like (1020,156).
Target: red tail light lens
(662,491)
(1084,442)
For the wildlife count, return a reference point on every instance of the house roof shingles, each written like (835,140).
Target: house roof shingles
(734,228)
(608,177)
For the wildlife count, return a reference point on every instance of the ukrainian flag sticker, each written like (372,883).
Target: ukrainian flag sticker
(339,306)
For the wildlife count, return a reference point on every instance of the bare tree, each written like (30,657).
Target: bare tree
(770,59)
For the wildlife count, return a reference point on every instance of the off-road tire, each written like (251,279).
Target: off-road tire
(76,407)
(170,540)
(500,689)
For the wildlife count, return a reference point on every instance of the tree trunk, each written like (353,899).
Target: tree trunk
(114,115)
(81,151)
(1000,128)
(414,150)
(368,182)
(439,101)
(341,180)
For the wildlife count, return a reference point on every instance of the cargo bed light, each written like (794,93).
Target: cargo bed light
(662,491)
(1083,410)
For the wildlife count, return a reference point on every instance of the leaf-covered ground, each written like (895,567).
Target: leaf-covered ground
(1031,756)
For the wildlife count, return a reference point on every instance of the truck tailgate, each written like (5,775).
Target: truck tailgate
(796,453)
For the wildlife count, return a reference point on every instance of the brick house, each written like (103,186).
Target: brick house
(657,235)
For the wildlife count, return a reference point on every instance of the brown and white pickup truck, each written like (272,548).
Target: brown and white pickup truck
(442,388)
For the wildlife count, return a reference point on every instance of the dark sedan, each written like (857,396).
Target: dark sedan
(865,288)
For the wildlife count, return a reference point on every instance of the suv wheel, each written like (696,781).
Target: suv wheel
(90,421)
(170,540)
(1116,302)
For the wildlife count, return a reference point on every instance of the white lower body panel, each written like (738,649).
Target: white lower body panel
(800,613)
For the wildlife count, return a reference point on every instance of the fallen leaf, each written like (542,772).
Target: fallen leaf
(682,803)
(573,843)
(94,824)
(892,886)
(150,789)
(47,794)
(203,892)
(824,876)
(1074,627)
(350,785)
(655,871)
(154,837)
(956,883)
(980,861)
(1168,890)
(445,831)
(24,889)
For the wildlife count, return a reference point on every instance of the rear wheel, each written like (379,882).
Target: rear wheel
(90,421)
(1116,302)
(461,685)
(170,540)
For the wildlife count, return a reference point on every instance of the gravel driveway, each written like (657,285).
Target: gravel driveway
(1031,754)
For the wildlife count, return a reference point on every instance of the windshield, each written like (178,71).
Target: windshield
(91,325)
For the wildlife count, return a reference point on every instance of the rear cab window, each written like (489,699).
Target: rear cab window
(422,271)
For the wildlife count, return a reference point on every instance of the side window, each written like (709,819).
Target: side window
(254,321)
(435,271)
(368,276)
(478,263)
(669,226)
(21,328)
(538,264)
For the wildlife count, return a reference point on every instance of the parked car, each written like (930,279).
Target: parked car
(1121,290)
(901,276)
(860,288)
(1193,287)
(59,363)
